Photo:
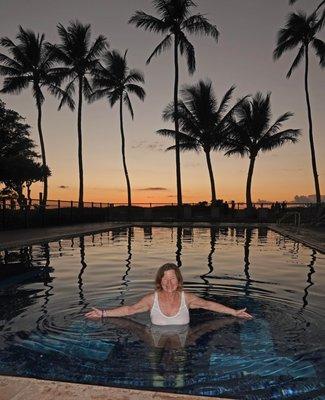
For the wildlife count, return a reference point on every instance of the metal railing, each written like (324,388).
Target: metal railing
(32,213)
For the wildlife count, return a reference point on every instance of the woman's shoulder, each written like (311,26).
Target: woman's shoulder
(189,296)
(149,297)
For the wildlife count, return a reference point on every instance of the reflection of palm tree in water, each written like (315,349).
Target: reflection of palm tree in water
(309,275)
(125,281)
(179,247)
(213,239)
(248,239)
(47,280)
(82,301)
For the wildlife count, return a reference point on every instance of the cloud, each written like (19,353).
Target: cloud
(63,187)
(151,189)
(151,146)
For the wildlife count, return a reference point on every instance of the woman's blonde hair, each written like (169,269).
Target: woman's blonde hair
(168,267)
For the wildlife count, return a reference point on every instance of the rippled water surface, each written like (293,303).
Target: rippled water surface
(279,354)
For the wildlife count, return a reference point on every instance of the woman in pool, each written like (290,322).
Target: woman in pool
(169,304)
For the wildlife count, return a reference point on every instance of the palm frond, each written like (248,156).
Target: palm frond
(319,46)
(127,101)
(188,48)
(87,89)
(296,61)
(134,75)
(5,70)
(137,90)
(97,48)
(198,24)
(278,123)
(15,84)
(148,22)
(163,45)
(113,96)
(225,100)
(279,139)
(65,95)
(99,94)
(5,60)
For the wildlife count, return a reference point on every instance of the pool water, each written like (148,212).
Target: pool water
(280,354)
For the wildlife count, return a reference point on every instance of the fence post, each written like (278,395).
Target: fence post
(71,209)
(3,213)
(59,211)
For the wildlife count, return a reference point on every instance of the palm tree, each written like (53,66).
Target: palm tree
(30,64)
(252,133)
(116,81)
(79,58)
(301,31)
(175,19)
(204,124)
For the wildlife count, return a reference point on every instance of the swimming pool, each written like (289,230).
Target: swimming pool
(279,354)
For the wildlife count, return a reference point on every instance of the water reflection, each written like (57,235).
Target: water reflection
(125,280)
(248,240)
(213,239)
(83,263)
(309,275)
(179,246)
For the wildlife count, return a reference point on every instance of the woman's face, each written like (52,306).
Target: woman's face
(169,281)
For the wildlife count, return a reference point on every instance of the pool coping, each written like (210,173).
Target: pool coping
(17,388)
(300,236)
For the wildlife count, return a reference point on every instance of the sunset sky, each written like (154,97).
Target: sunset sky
(242,57)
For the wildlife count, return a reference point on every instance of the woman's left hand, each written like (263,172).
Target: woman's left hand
(242,314)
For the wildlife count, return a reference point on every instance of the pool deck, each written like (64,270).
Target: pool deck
(13,388)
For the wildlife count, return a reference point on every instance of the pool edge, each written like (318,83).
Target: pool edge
(17,388)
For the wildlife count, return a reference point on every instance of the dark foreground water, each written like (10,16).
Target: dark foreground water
(278,355)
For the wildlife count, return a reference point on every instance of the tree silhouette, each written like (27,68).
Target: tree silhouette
(300,30)
(175,20)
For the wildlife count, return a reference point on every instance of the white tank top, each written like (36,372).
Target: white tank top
(182,317)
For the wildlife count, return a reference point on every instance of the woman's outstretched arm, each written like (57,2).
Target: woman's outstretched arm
(194,301)
(141,306)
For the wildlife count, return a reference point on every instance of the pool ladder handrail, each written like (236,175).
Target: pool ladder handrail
(297,220)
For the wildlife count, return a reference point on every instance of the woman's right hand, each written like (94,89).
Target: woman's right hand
(96,313)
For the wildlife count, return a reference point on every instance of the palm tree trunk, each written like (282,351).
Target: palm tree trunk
(311,138)
(213,189)
(249,182)
(41,139)
(178,161)
(123,154)
(81,173)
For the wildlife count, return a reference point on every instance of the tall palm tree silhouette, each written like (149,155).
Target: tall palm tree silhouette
(300,30)
(78,57)
(31,63)
(116,81)
(203,124)
(252,133)
(175,21)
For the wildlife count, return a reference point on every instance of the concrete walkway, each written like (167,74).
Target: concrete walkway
(24,237)
(314,238)
(12,388)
